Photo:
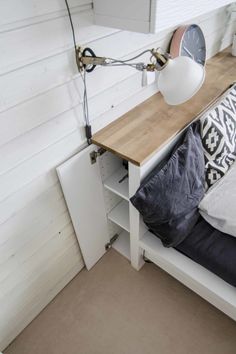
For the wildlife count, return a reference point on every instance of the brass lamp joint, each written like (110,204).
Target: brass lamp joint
(160,59)
(150,67)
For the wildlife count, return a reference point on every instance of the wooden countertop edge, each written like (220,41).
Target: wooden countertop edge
(115,152)
(137,163)
(166,141)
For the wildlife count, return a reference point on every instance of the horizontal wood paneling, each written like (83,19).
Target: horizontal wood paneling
(41,211)
(21,118)
(26,146)
(24,12)
(38,165)
(17,250)
(41,124)
(27,45)
(24,196)
(36,260)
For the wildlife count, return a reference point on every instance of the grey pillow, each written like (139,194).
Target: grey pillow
(168,198)
(218,205)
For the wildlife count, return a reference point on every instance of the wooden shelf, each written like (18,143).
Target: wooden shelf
(122,244)
(114,185)
(120,215)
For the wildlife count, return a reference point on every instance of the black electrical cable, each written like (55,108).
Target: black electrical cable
(88,128)
(71,23)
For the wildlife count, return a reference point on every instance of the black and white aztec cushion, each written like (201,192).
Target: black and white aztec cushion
(218,131)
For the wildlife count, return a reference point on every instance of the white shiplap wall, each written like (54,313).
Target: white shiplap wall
(41,125)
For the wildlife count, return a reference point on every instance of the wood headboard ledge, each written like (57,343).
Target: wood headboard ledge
(140,133)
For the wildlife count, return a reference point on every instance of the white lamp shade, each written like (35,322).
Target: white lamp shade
(180,80)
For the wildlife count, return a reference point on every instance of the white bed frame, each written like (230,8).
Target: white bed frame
(99,207)
(203,282)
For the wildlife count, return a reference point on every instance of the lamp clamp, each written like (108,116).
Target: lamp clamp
(87,60)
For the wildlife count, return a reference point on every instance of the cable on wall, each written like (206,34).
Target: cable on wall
(88,129)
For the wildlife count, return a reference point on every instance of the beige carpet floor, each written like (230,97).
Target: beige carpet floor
(115,310)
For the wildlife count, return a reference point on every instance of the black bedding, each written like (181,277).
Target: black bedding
(212,249)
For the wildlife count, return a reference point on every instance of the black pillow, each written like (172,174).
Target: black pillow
(168,198)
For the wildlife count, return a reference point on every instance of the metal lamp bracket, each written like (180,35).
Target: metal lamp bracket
(87,60)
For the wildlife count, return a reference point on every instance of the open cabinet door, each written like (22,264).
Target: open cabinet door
(83,190)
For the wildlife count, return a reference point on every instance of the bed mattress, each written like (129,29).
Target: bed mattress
(212,249)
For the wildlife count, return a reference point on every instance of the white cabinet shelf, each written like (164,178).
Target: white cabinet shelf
(120,215)
(122,244)
(117,184)
(151,15)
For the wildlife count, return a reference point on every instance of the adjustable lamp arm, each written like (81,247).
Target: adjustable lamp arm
(179,78)
(87,60)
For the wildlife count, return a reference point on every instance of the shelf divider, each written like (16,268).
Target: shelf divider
(118,183)
(120,215)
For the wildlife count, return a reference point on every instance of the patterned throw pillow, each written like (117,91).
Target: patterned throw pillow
(218,131)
